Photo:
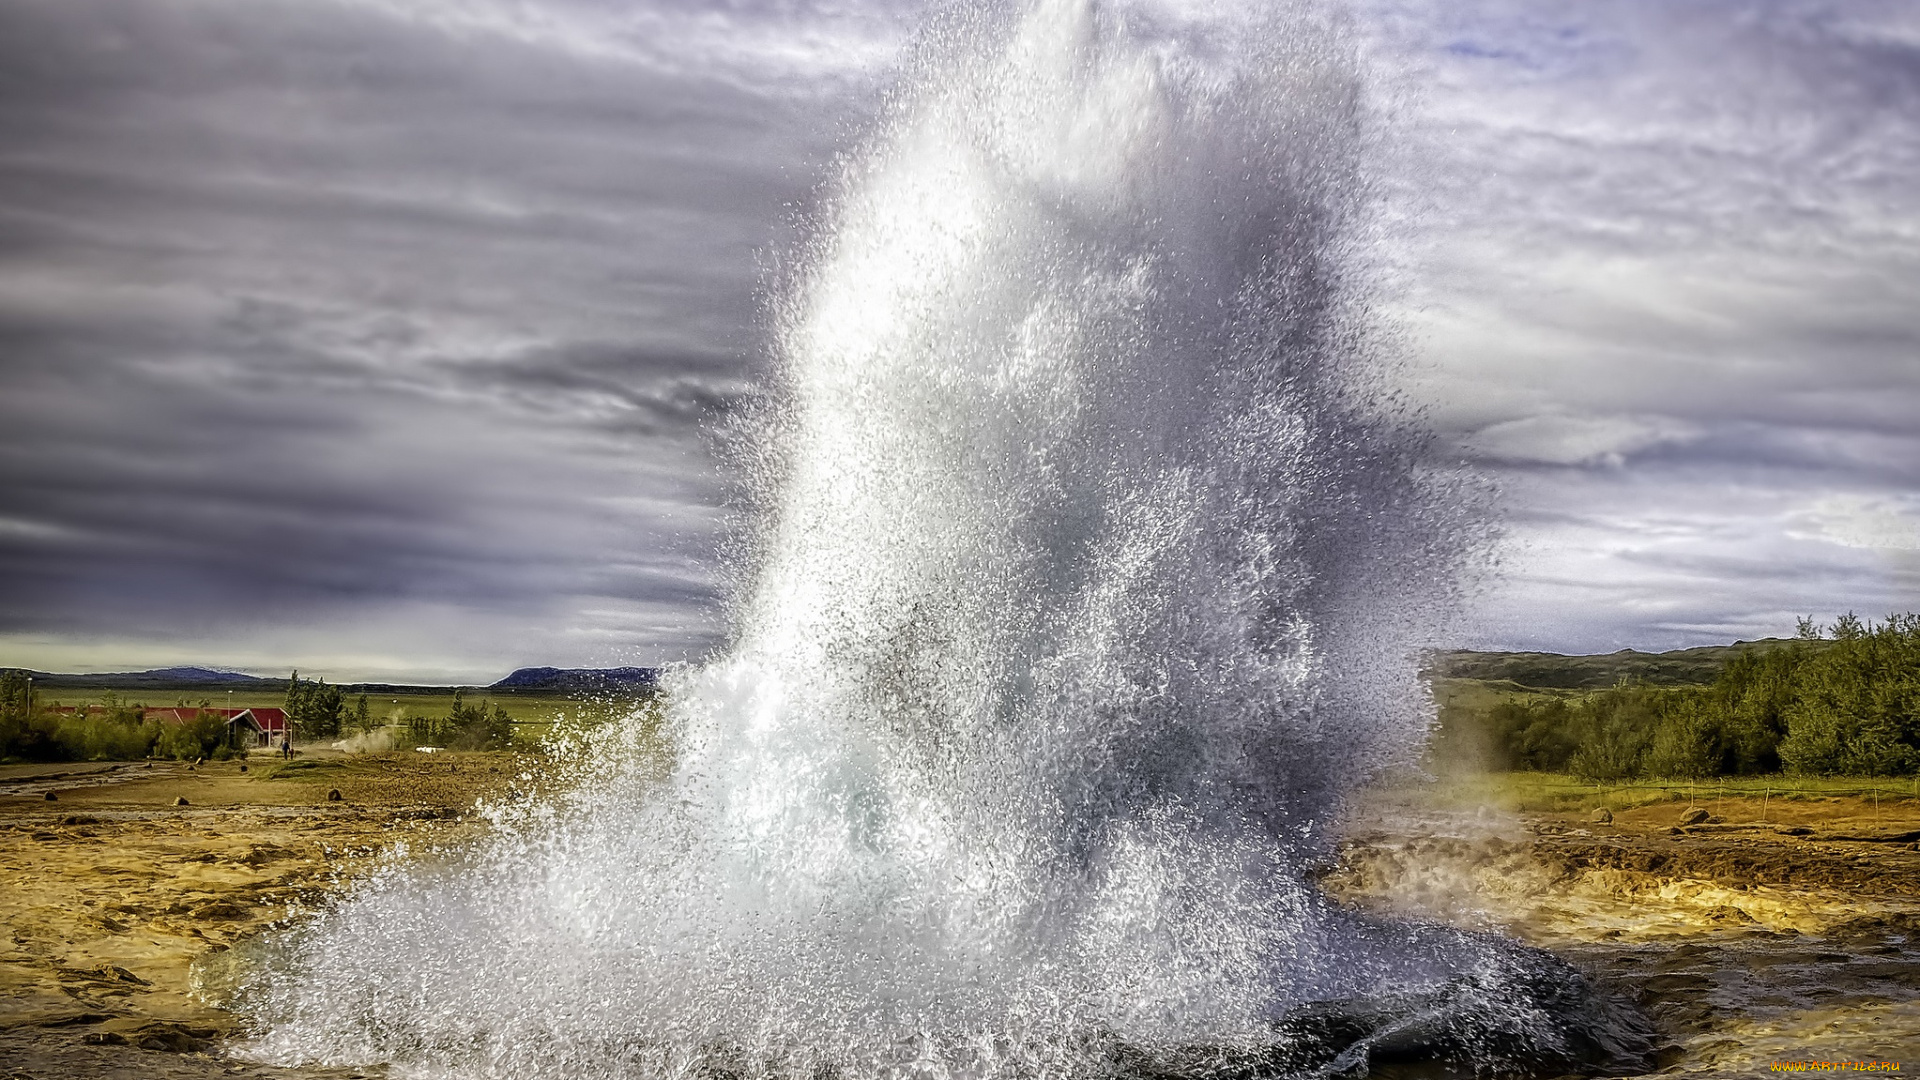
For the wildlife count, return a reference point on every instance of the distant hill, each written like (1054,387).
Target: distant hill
(1681,667)
(544,680)
(578,680)
(173,678)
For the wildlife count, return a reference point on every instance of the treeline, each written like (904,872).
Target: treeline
(485,726)
(1848,705)
(318,711)
(116,731)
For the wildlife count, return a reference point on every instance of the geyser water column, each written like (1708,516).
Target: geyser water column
(1089,581)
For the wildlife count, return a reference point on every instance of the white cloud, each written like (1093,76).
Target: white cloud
(1576,440)
(1861,521)
(1662,259)
(1668,251)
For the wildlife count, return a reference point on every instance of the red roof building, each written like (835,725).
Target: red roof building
(258,726)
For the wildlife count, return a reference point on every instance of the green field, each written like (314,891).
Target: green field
(534,715)
(395,705)
(1541,792)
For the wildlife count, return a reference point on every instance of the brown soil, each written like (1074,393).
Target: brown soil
(110,892)
(1744,940)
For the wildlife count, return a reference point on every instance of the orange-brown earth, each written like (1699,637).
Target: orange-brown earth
(1770,931)
(1778,931)
(110,892)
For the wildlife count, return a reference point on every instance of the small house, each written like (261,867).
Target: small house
(254,727)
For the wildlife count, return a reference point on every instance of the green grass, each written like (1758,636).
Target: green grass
(1537,792)
(534,715)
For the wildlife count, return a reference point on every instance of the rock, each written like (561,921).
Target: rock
(333,794)
(51,797)
(243,768)
(104,1038)
(170,1038)
(180,800)
(1602,816)
(264,853)
(1694,816)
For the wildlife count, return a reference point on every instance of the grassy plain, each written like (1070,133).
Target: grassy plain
(534,715)
(1560,793)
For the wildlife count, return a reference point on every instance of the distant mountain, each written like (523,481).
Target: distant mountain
(579,680)
(173,678)
(545,680)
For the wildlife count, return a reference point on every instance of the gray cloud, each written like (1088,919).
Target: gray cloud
(362,317)
(378,335)
(1668,263)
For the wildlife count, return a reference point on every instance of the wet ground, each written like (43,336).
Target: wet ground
(114,889)
(1769,933)
(1765,933)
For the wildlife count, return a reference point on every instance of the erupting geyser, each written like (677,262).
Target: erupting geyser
(1090,578)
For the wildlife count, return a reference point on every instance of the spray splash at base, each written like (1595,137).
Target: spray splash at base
(1090,580)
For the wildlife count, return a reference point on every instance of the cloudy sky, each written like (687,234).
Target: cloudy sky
(378,336)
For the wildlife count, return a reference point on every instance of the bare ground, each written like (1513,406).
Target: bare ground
(110,892)
(1768,932)
(1777,931)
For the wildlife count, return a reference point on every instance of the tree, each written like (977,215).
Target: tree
(314,709)
(465,727)
(1613,729)
(1856,705)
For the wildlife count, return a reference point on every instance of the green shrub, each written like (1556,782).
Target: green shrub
(466,727)
(1690,740)
(1856,710)
(206,735)
(104,738)
(1847,704)
(1532,735)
